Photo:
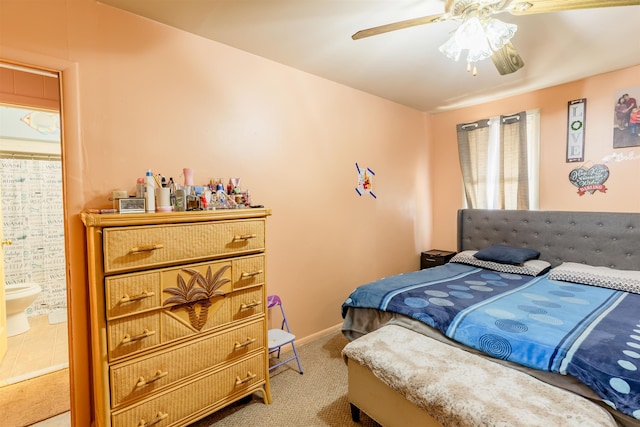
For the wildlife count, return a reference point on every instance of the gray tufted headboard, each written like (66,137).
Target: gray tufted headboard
(595,238)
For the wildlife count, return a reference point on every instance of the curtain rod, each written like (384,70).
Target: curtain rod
(515,116)
(503,119)
(468,125)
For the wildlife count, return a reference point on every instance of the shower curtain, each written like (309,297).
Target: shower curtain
(32,215)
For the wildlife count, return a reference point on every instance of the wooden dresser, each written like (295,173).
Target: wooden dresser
(178,314)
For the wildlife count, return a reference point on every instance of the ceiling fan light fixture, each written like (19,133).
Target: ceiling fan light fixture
(499,33)
(451,49)
(479,37)
(471,36)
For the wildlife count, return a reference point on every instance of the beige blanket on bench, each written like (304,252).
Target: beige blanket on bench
(459,389)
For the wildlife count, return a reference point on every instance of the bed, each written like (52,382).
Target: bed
(591,350)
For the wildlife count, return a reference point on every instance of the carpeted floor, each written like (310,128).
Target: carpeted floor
(316,398)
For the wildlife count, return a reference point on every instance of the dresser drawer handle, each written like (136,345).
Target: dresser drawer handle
(245,237)
(246,274)
(145,294)
(128,338)
(159,374)
(250,305)
(248,342)
(246,379)
(147,248)
(159,417)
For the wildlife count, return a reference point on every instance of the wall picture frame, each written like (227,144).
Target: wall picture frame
(626,128)
(576,121)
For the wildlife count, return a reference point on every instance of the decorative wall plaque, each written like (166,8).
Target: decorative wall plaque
(590,179)
(576,118)
(365,181)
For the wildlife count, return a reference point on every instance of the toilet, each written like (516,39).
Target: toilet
(18,298)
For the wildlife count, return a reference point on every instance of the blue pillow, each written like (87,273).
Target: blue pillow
(507,254)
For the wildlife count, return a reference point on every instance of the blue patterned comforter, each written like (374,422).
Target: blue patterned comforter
(585,331)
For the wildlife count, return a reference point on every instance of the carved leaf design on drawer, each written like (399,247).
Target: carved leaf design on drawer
(197,291)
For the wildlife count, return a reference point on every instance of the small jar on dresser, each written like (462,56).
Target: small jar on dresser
(178,314)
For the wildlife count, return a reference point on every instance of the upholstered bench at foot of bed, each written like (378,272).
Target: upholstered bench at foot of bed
(438,384)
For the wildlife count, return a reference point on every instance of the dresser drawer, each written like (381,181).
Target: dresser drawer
(133,334)
(129,294)
(139,332)
(136,333)
(136,379)
(134,292)
(129,248)
(248,271)
(247,302)
(199,396)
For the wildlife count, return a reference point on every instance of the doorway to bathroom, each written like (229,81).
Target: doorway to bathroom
(31,205)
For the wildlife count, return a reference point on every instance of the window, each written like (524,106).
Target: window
(499,159)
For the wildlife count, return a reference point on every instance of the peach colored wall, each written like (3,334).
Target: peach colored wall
(138,95)
(556,192)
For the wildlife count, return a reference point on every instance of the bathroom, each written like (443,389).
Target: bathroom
(32,229)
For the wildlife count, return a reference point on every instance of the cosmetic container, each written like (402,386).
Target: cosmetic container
(140,188)
(181,200)
(150,194)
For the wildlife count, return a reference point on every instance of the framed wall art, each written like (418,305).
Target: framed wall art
(576,120)
(626,121)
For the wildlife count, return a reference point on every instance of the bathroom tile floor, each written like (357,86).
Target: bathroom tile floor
(40,350)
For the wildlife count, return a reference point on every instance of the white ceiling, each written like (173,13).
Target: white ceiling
(405,66)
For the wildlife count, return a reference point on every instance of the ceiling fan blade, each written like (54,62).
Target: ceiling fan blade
(507,60)
(521,7)
(398,26)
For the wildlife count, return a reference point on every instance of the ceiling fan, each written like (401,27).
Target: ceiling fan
(481,34)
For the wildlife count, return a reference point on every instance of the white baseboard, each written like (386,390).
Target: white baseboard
(312,337)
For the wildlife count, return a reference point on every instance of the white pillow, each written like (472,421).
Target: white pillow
(533,267)
(605,277)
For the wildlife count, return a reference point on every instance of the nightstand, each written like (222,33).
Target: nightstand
(434,257)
